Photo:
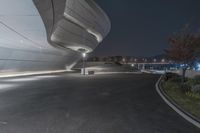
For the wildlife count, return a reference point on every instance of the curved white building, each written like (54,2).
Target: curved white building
(40,35)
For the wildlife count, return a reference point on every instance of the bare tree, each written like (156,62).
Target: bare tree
(183,48)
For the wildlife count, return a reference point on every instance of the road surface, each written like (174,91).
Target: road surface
(72,103)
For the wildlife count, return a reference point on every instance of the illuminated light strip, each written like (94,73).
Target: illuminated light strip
(32,73)
(97,35)
(74,20)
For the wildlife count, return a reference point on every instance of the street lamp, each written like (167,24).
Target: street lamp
(84,55)
(135,60)
(124,60)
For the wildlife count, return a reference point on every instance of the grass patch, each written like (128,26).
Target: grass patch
(183,97)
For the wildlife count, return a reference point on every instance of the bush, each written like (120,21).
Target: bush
(197,79)
(193,95)
(175,79)
(196,88)
(191,82)
(185,87)
(171,77)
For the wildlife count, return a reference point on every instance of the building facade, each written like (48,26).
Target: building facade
(38,35)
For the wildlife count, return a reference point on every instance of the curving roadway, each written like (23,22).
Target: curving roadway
(71,103)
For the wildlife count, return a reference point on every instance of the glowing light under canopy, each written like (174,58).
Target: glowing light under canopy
(198,66)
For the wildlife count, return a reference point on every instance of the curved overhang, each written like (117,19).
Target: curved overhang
(79,25)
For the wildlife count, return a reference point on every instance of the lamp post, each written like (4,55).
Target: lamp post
(84,55)
(163,60)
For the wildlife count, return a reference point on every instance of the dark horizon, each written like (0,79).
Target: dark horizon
(142,28)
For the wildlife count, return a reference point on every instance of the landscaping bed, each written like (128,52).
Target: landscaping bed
(186,95)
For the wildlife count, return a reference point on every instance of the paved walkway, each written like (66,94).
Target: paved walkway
(71,103)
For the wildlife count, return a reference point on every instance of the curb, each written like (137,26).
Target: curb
(187,116)
(98,73)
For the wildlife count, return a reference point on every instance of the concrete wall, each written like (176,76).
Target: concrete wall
(190,73)
(48,34)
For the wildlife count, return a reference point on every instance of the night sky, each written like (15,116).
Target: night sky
(142,27)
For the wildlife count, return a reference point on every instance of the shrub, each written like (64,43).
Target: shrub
(171,76)
(197,79)
(185,87)
(196,88)
(193,95)
(175,79)
(191,82)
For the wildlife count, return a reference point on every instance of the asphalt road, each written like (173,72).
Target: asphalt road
(71,103)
